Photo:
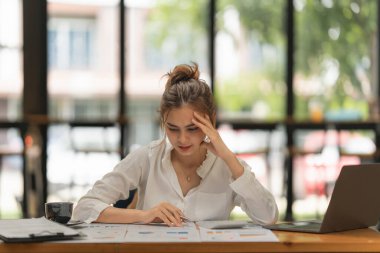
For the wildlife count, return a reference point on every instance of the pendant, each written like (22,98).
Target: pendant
(188,178)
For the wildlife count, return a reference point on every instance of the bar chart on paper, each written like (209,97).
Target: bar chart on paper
(249,234)
(162,233)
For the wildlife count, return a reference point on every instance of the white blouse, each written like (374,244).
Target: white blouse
(149,169)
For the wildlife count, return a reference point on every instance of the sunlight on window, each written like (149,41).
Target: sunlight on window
(83,59)
(250,59)
(10,59)
(344,87)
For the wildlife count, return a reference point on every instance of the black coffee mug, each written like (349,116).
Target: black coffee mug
(59,211)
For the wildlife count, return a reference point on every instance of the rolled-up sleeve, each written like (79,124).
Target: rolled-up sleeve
(253,198)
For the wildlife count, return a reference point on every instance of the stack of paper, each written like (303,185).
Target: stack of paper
(33,230)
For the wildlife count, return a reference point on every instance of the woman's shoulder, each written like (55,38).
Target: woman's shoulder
(157,147)
(141,154)
(156,144)
(151,148)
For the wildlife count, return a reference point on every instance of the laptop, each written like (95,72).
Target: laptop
(354,204)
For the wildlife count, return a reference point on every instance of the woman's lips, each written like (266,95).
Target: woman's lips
(184,148)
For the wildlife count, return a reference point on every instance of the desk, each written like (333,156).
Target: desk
(361,240)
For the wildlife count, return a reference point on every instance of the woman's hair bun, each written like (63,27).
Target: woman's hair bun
(183,73)
(183,87)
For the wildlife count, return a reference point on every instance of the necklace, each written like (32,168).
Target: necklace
(182,171)
(187,177)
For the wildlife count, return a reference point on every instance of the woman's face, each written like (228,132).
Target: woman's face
(184,136)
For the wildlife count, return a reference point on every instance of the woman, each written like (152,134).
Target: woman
(189,173)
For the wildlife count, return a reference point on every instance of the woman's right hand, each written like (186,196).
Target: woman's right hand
(163,212)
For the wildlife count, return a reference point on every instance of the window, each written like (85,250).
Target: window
(335,72)
(250,55)
(160,35)
(83,59)
(11,87)
(335,78)
(83,85)
(71,42)
(10,59)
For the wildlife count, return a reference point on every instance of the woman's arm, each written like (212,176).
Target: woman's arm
(255,200)
(164,212)
(217,145)
(115,185)
(258,203)
(119,215)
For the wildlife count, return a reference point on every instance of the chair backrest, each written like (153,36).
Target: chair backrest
(124,203)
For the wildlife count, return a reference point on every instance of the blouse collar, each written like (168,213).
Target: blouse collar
(202,170)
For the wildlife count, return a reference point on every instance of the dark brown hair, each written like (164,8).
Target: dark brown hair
(184,87)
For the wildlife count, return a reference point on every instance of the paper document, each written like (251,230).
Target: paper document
(101,232)
(247,234)
(34,229)
(163,233)
(27,229)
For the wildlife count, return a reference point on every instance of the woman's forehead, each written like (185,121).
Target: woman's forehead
(183,114)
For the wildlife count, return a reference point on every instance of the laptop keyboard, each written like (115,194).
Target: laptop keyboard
(306,225)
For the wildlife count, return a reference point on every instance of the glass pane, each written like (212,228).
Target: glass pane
(250,59)
(77,157)
(250,145)
(160,35)
(11,175)
(336,47)
(262,151)
(317,164)
(83,59)
(11,83)
(83,83)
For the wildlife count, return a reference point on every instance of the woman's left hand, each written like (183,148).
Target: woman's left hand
(215,143)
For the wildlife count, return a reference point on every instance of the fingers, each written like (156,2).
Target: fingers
(204,120)
(203,123)
(212,141)
(167,213)
(171,217)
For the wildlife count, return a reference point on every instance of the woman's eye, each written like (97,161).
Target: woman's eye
(193,129)
(173,129)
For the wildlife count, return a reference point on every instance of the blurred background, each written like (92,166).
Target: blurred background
(296,83)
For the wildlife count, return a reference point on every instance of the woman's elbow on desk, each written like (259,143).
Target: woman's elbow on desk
(265,217)
(274,217)
(272,214)
(88,211)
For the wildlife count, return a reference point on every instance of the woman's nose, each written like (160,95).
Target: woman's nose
(182,136)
